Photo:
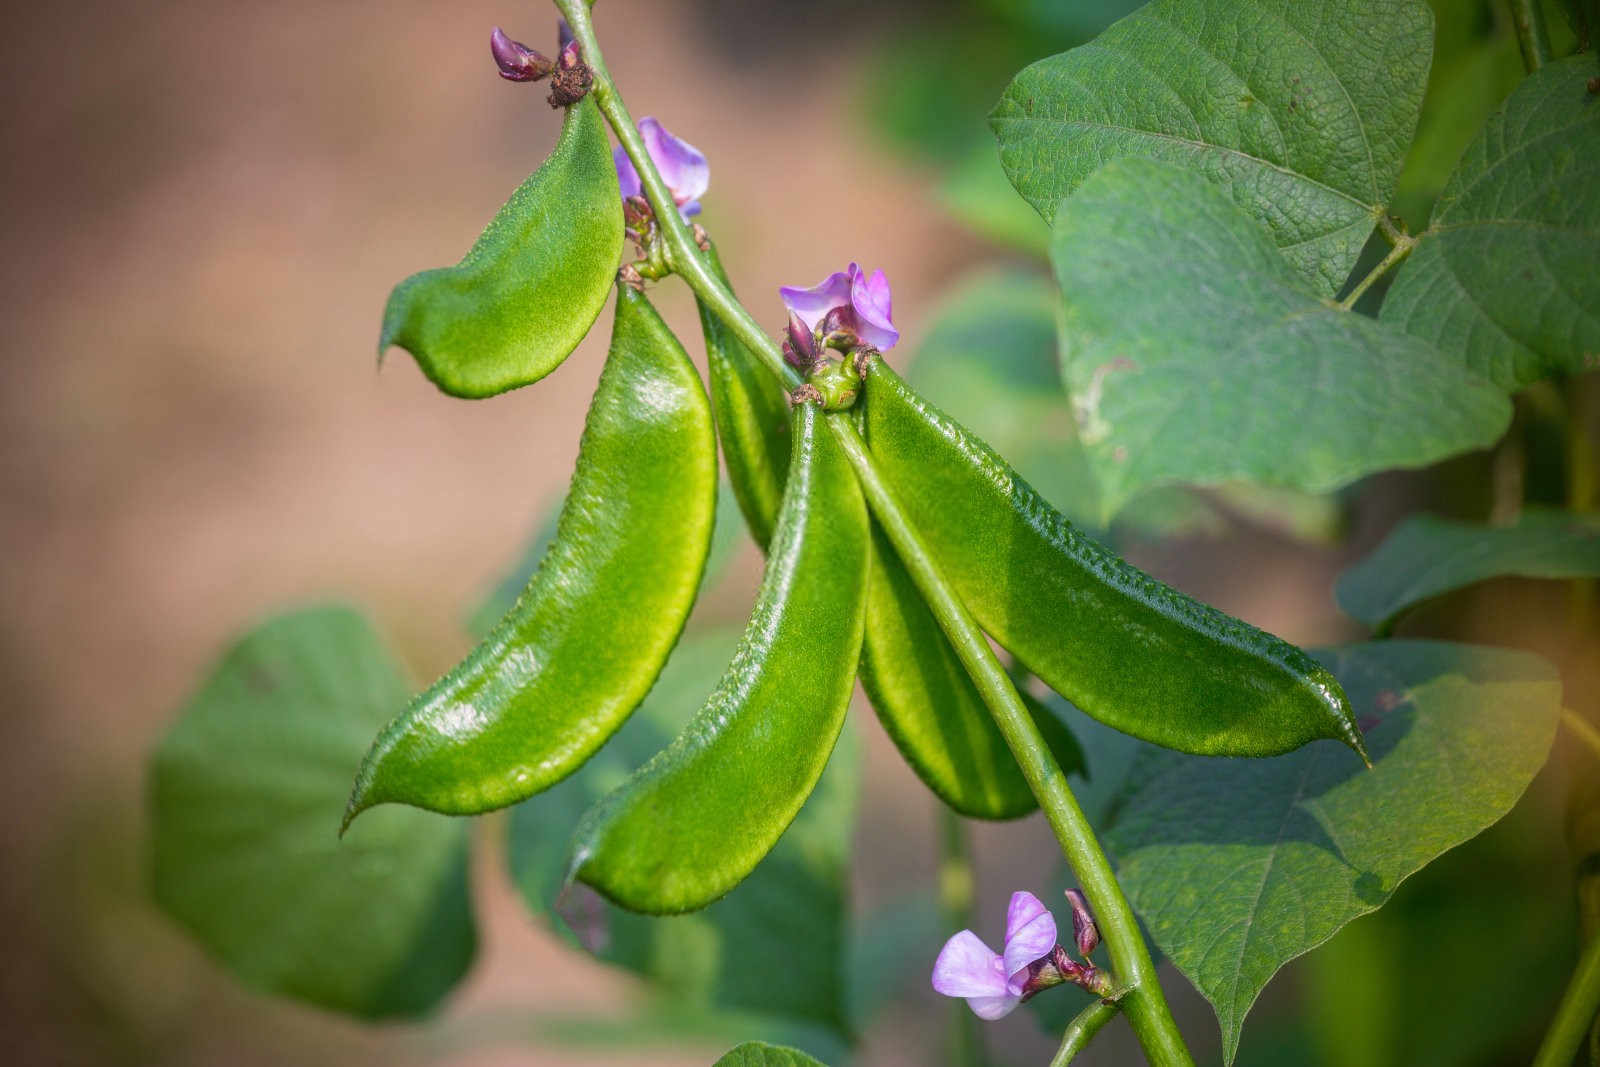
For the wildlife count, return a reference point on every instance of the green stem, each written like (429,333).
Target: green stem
(1144,1003)
(683,255)
(1082,1029)
(1583,728)
(1532,37)
(1403,244)
(1575,1014)
(957,894)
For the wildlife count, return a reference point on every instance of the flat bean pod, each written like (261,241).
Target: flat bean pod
(1127,649)
(912,676)
(520,301)
(691,823)
(752,420)
(584,643)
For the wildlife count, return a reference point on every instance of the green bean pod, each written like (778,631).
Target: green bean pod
(916,684)
(929,706)
(1127,649)
(691,823)
(752,420)
(524,296)
(582,646)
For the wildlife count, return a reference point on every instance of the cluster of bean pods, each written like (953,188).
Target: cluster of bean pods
(583,645)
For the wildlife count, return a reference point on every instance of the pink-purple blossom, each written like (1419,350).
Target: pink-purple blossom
(683,167)
(993,983)
(864,301)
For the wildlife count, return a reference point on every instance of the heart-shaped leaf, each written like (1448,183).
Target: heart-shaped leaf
(1301,112)
(246,791)
(1238,866)
(1426,556)
(1194,353)
(532,285)
(793,908)
(761,1054)
(1506,275)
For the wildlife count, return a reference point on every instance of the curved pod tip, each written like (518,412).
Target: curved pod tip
(532,702)
(527,292)
(697,818)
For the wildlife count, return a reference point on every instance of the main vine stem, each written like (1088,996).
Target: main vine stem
(1144,1003)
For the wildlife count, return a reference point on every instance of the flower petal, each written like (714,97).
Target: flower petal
(874,309)
(627,177)
(682,165)
(1030,932)
(992,1008)
(966,967)
(814,303)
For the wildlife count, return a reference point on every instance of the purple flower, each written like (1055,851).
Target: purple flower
(682,166)
(865,301)
(993,983)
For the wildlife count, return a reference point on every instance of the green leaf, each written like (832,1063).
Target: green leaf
(246,791)
(1222,365)
(1300,112)
(793,908)
(1426,556)
(1238,866)
(760,1054)
(520,301)
(1505,277)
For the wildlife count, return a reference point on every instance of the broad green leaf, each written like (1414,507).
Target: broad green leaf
(532,285)
(246,791)
(1300,112)
(1426,556)
(989,359)
(1505,277)
(761,1054)
(793,908)
(1238,866)
(1195,354)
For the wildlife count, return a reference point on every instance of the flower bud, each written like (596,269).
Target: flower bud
(1084,931)
(517,62)
(799,346)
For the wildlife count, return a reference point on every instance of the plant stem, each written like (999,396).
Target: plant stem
(1583,728)
(1144,1003)
(1403,244)
(683,255)
(1082,1029)
(956,898)
(1532,37)
(1576,1013)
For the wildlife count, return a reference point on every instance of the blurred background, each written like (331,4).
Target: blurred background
(205,206)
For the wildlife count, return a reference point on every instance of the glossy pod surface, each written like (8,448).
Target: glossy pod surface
(912,677)
(929,706)
(752,420)
(584,643)
(532,285)
(696,819)
(1130,651)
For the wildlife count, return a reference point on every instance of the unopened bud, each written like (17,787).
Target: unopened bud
(569,59)
(518,62)
(799,347)
(1084,931)
(564,32)
(838,329)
